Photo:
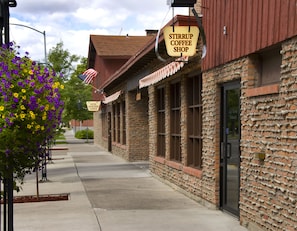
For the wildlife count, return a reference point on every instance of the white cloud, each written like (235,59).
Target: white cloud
(72,22)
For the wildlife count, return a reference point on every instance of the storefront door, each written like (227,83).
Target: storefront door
(230,148)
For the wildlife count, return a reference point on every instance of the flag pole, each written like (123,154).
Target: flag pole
(96,89)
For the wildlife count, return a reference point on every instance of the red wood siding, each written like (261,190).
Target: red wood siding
(251,25)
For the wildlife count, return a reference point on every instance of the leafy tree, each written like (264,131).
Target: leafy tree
(62,61)
(75,95)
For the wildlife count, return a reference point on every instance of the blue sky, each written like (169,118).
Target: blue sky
(72,22)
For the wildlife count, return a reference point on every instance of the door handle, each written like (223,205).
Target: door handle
(229,146)
(222,151)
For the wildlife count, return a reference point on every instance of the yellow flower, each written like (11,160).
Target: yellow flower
(15,95)
(30,72)
(55,85)
(24,90)
(22,115)
(42,128)
(32,115)
(23,107)
(11,86)
(46,107)
(24,97)
(29,126)
(62,86)
(1,108)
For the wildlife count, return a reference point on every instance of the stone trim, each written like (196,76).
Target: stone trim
(264,90)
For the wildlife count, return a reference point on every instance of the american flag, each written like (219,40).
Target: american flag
(88,76)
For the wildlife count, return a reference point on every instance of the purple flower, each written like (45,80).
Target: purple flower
(21,84)
(32,84)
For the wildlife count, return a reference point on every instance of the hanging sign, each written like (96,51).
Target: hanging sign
(93,105)
(181,40)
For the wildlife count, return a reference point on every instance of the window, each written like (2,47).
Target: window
(270,67)
(161,122)
(118,128)
(194,88)
(114,122)
(119,122)
(124,121)
(104,121)
(175,125)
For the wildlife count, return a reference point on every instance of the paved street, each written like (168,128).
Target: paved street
(107,193)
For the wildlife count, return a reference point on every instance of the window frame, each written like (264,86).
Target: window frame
(161,128)
(194,121)
(124,125)
(175,122)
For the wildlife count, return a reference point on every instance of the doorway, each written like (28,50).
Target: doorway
(230,148)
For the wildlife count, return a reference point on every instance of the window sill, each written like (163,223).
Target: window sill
(159,159)
(178,166)
(192,171)
(264,90)
(122,146)
(174,165)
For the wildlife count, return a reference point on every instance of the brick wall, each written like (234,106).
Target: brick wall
(211,124)
(268,196)
(98,139)
(269,126)
(268,189)
(137,126)
(136,147)
(197,184)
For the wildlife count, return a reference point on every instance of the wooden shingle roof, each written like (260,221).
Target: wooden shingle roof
(118,46)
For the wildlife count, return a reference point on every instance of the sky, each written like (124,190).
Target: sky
(72,22)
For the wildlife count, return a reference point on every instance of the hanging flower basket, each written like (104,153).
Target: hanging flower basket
(30,111)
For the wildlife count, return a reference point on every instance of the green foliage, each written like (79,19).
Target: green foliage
(62,61)
(30,111)
(85,134)
(76,93)
(75,96)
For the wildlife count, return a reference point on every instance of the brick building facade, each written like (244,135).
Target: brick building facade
(221,130)
(269,116)
(121,120)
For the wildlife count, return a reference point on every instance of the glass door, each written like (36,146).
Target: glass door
(230,148)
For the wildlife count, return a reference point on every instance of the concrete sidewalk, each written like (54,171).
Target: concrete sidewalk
(108,193)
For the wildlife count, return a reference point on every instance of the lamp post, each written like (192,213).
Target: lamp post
(41,32)
(8,182)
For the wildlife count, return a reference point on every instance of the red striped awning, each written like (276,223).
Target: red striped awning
(164,72)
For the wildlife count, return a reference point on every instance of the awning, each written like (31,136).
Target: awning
(164,72)
(112,97)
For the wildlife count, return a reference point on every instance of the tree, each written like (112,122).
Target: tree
(62,61)
(75,93)
(75,96)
